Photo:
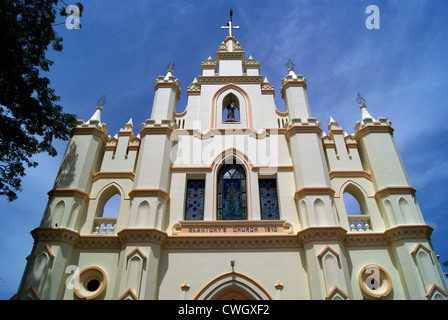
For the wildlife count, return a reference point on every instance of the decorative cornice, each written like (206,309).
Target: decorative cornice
(103,242)
(230,79)
(136,235)
(60,235)
(156,130)
(230,55)
(293,83)
(375,128)
(69,193)
(320,234)
(313,191)
(233,242)
(304,128)
(113,175)
(149,193)
(394,190)
(388,237)
(403,232)
(89,130)
(350,174)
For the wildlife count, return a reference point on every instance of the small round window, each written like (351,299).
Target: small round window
(91,283)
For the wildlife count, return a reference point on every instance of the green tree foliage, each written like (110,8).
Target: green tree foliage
(30,118)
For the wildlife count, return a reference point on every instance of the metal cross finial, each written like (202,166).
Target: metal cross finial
(360,99)
(171,65)
(229,24)
(290,64)
(102,101)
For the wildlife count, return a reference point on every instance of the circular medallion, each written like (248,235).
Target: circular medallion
(375,281)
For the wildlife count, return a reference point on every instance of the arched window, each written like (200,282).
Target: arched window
(107,211)
(112,207)
(230,109)
(351,204)
(354,200)
(232,197)
(356,208)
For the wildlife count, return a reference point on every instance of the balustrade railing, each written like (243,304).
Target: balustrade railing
(104,225)
(359,223)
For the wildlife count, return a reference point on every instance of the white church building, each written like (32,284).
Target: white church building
(232,199)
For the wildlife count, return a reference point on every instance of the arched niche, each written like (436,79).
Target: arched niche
(221,100)
(230,109)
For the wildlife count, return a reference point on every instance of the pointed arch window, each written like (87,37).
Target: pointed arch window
(356,208)
(232,196)
(268,199)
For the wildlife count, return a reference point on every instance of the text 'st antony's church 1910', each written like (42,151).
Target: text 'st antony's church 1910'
(232,199)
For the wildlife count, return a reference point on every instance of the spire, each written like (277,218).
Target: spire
(292,76)
(365,115)
(333,125)
(169,72)
(168,78)
(96,118)
(129,126)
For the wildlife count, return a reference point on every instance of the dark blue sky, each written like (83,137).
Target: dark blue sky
(400,69)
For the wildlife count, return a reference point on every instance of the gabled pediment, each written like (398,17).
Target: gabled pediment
(328,250)
(336,294)
(128,295)
(436,293)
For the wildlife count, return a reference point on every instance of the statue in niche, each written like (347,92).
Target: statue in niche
(231,112)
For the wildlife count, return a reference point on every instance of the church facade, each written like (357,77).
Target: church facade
(232,199)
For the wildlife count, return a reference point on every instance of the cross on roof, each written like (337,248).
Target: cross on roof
(171,65)
(360,99)
(290,64)
(229,24)
(102,101)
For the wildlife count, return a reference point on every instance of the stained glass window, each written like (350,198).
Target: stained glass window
(231,195)
(268,199)
(194,205)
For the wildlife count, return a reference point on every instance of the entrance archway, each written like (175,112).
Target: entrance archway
(233,286)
